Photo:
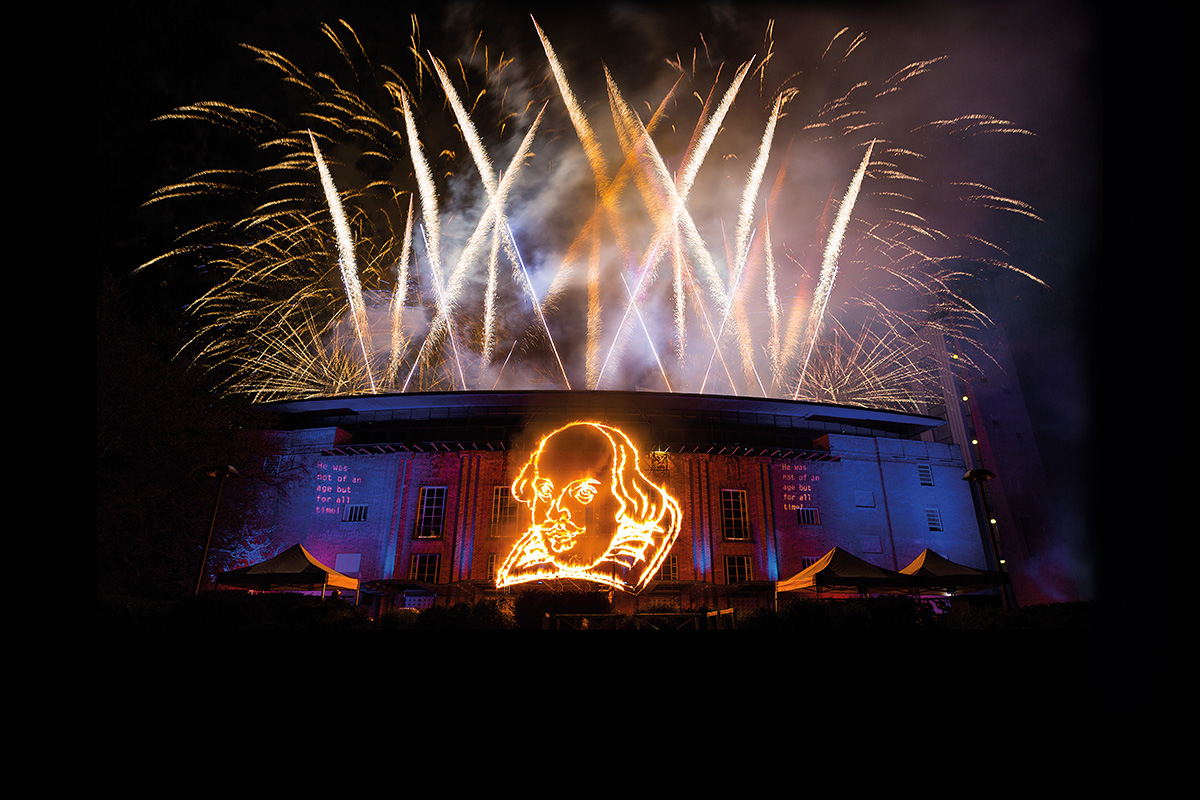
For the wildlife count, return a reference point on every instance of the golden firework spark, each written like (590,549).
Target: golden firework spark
(410,270)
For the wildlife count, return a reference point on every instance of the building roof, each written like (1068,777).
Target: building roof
(526,407)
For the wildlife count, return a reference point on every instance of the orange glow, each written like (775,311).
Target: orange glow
(596,516)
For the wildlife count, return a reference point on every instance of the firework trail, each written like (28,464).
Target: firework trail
(676,221)
(608,197)
(270,321)
(604,216)
(497,192)
(638,145)
(583,128)
(537,306)
(431,231)
(745,219)
(400,296)
(721,330)
(347,262)
(829,264)
(449,296)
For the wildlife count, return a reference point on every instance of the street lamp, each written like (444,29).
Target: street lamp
(222,472)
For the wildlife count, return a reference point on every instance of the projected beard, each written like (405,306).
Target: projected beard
(595,515)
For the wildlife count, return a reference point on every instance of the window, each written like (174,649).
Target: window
(347,563)
(737,569)
(925,474)
(808,516)
(669,571)
(735,522)
(504,508)
(934,518)
(808,561)
(424,568)
(354,513)
(431,512)
(491,567)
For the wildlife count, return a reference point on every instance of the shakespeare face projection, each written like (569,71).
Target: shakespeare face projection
(596,517)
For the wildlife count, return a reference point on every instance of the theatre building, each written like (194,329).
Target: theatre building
(671,500)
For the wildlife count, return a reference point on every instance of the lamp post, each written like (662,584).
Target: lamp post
(977,477)
(222,472)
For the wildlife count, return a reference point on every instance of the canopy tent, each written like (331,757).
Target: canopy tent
(294,569)
(930,572)
(839,571)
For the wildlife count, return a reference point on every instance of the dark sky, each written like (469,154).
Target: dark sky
(1034,63)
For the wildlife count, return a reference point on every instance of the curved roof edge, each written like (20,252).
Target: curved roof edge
(582,400)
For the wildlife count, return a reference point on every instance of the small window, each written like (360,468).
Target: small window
(934,517)
(354,513)
(808,561)
(925,474)
(669,571)
(737,569)
(504,507)
(809,516)
(347,563)
(424,568)
(491,567)
(735,522)
(431,512)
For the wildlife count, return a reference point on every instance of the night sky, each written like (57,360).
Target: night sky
(1034,63)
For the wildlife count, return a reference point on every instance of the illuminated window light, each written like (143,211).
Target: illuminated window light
(596,516)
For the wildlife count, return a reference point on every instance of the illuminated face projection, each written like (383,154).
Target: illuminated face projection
(596,516)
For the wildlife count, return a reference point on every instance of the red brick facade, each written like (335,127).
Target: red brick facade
(419,521)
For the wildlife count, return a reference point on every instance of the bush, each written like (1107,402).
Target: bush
(1043,617)
(533,605)
(399,619)
(486,615)
(880,614)
(217,612)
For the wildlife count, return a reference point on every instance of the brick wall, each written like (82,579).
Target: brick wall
(869,496)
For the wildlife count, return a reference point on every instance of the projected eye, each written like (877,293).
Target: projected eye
(584,492)
(545,490)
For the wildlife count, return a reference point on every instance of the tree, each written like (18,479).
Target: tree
(159,430)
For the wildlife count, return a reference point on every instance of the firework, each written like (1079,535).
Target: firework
(361,253)
(346,260)
(829,264)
